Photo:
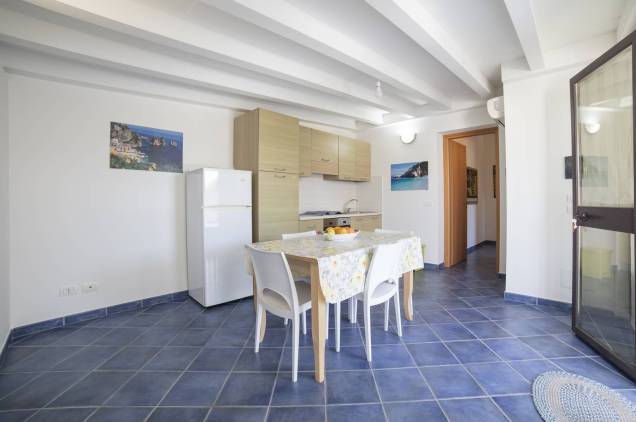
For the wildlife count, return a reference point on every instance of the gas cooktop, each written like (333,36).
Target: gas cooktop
(321,213)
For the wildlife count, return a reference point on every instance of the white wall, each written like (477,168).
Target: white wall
(75,220)
(5,308)
(481,216)
(538,136)
(423,210)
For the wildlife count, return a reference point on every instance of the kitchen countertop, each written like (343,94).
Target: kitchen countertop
(322,217)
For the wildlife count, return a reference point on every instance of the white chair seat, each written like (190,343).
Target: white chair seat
(277,305)
(383,292)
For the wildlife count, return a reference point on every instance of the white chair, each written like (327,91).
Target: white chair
(279,294)
(336,305)
(295,236)
(381,285)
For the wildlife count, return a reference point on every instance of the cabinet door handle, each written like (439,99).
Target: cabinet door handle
(280,176)
(325,159)
(277,169)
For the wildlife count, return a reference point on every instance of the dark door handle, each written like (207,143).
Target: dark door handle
(582,217)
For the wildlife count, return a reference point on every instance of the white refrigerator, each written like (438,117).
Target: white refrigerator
(219,224)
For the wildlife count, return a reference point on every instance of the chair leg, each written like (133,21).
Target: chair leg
(355,310)
(259,313)
(351,305)
(398,318)
(295,331)
(337,317)
(304,323)
(327,326)
(367,330)
(386,315)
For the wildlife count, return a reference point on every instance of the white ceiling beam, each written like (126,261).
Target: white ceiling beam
(413,19)
(21,61)
(152,24)
(522,14)
(19,29)
(287,20)
(627,22)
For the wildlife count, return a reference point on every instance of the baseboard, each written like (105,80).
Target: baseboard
(433,267)
(479,245)
(50,324)
(501,276)
(532,300)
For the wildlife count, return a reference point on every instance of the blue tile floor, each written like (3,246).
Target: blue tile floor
(467,355)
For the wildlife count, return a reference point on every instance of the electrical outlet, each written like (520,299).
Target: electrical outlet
(89,287)
(68,291)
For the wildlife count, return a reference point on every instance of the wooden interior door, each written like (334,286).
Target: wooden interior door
(455,228)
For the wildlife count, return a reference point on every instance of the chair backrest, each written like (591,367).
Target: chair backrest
(385,265)
(297,235)
(273,275)
(387,231)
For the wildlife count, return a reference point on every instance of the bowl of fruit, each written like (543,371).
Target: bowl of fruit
(339,234)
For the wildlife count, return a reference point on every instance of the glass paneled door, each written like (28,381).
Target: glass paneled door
(604,268)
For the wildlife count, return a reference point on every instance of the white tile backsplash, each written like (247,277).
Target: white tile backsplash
(316,193)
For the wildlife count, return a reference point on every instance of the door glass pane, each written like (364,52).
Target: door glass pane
(604,134)
(606,290)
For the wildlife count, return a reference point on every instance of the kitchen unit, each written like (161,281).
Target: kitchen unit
(277,150)
(267,143)
(219,224)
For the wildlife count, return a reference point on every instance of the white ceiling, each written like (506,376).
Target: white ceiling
(317,59)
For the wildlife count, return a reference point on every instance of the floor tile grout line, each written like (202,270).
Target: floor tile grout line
(133,373)
(231,370)
(87,375)
(481,387)
(73,354)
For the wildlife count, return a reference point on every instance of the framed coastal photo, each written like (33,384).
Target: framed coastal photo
(471,184)
(135,147)
(409,176)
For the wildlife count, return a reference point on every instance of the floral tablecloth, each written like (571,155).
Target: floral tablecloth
(343,265)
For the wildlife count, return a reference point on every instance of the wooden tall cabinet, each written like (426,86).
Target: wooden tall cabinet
(362,171)
(305,151)
(267,143)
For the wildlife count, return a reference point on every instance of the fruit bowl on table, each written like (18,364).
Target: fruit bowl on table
(335,237)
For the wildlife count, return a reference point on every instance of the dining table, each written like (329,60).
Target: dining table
(337,271)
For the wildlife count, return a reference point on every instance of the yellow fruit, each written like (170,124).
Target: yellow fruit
(341,230)
(330,230)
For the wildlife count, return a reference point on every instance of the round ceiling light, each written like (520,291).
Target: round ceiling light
(408,138)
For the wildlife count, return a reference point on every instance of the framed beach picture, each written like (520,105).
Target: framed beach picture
(471,182)
(135,147)
(409,176)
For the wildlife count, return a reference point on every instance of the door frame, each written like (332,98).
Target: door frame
(610,218)
(493,130)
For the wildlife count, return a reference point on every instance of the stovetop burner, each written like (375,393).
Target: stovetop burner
(321,213)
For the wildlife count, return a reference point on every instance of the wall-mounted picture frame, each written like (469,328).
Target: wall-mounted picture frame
(409,176)
(134,147)
(471,182)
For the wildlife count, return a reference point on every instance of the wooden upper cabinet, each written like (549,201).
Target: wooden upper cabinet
(278,146)
(363,161)
(346,158)
(324,152)
(305,151)
(266,141)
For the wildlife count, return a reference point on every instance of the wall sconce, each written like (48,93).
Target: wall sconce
(592,128)
(408,138)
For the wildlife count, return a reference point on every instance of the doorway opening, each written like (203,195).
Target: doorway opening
(472,193)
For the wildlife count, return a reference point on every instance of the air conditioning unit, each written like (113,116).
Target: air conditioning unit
(495,107)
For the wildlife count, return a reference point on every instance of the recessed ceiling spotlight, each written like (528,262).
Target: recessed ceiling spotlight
(378,89)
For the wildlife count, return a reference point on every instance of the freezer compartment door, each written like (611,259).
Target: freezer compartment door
(222,187)
(226,232)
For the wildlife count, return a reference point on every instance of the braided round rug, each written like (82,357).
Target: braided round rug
(560,396)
